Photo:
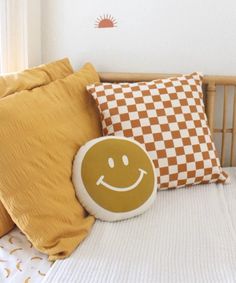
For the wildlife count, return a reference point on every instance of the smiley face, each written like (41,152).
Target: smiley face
(116,176)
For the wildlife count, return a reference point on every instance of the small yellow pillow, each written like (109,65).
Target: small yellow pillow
(41,130)
(97,170)
(26,80)
(35,77)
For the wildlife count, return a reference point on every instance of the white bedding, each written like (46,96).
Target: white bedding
(189,235)
(19,261)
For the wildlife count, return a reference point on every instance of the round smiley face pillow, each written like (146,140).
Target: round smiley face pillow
(114,178)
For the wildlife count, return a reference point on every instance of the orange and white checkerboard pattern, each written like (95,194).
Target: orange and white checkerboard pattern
(166,116)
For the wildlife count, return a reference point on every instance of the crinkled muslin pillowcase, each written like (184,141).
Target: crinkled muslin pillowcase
(41,131)
(168,117)
(35,77)
(26,80)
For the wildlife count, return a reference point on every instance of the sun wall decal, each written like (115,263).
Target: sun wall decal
(106,21)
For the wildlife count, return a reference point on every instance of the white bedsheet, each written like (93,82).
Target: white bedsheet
(19,261)
(189,235)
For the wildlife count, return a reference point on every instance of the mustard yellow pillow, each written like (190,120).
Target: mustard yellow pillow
(41,130)
(6,224)
(35,77)
(26,80)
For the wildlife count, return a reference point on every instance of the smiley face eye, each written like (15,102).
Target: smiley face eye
(111,162)
(125,160)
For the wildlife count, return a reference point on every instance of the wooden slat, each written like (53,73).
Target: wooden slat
(225,107)
(233,141)
(228,131)
(220,80)
(135,77)
(210,104)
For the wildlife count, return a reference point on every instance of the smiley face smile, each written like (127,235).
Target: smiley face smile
(101,181)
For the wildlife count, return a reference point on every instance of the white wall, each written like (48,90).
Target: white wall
(34,32)
(152,36)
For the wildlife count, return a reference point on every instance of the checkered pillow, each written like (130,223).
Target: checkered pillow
(167,116)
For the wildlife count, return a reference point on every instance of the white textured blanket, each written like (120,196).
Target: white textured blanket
(189,235)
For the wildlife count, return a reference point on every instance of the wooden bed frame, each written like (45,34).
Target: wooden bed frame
(211,90)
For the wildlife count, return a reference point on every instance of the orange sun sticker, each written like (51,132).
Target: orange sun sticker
(106,21)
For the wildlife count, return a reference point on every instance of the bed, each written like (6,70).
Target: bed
(189,235)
